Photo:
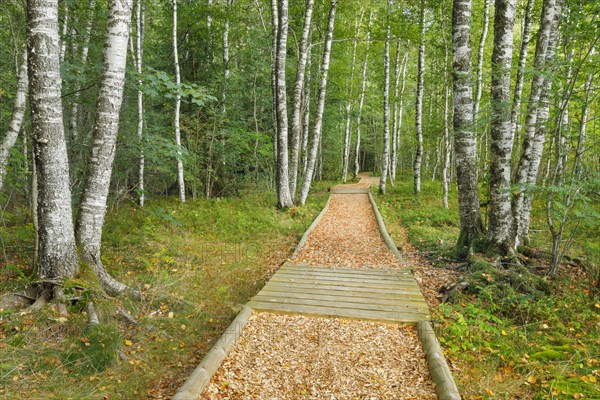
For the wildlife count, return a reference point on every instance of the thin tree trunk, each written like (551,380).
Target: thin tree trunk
(180,177)
(284,198)
(16,121)
(480,53)
(140,99)
(90,219)
(386,106)
(65,29)
(394,158)
(500,217)
(298,93)
(57,249)
(526,37)
(318,125)
(274,31)
(578,159)
(361,101)
(447,145)
(526,169)
(471,227)
(419,106)
(306,125)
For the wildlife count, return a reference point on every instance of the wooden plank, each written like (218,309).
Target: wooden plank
(365,278)
(340,312)
(365,285)
(353,293)
(330,295)
(342,304)
(366,271)
(397,291)
(332,278)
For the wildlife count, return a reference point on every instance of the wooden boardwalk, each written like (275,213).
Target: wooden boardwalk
(388,295)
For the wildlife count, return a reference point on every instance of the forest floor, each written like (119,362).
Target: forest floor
(197,268)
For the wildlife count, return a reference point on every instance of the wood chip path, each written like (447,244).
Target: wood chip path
(335,325)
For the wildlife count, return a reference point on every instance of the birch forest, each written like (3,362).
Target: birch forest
(159,160)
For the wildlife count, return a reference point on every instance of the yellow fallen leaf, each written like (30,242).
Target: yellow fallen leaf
(170,314)
(531,379)
(593,379)
(128,342)
(504,332)
(16,378)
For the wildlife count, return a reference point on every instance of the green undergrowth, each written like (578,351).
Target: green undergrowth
(512,333)
(196,265)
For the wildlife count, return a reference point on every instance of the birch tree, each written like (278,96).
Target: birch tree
(500,217)
(471,227)
(361,100)
(526,169)
(386,105)
(318,124)
(446,144)
(298,97)
(419,106)
(16,121)
(180,177)
(525,39)
(399,71)
(139,20)
(57,250)
(274,31)
(284,198)
(480,53)
(90,219)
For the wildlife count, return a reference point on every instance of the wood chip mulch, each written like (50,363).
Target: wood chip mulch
(347,236)
(299,357)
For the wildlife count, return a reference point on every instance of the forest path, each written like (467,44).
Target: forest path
(340,318)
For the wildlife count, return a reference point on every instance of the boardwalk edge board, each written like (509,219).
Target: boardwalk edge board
(445,387)
(309,230)
(384,233)
(201,376)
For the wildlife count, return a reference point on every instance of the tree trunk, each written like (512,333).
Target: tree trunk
(395,133)
(140,99)
(419,106)
(298,96)
(318,125)
(361,101)
(104,139)
(65,29)
(447,145)
(386,106)
(306,124)
(578,159)
(526,37)
(500,217)
(180,177)
(284,198)
(471,227)
(57,249)
(479,84)
(526,170)
(274,30)
(16,121)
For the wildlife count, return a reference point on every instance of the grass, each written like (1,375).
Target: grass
(531,339)
(196,263)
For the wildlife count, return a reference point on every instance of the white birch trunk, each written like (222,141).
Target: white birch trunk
(500,217)
(447,144)
(482,39)
(57,249)
(395,130)
(140,99)
(274,30)
(306,125)
(180,176)
(386,106)
(298,94)
(361,101)
(419,106)
(90,219)
(16,121)
(526,38)
(284,198)
(318,125)
(579,151)
(65,29)
(527,162)
(471,227)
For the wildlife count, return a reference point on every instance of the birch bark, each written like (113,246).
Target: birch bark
(482,39)
(361,101)
(447,145)
(57,250)
(180,176)
(16,121)
(298,96)
(386,105)
(471,227)
(500,217)
(419,107)
(318,125)
(90,219)
(140,99)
